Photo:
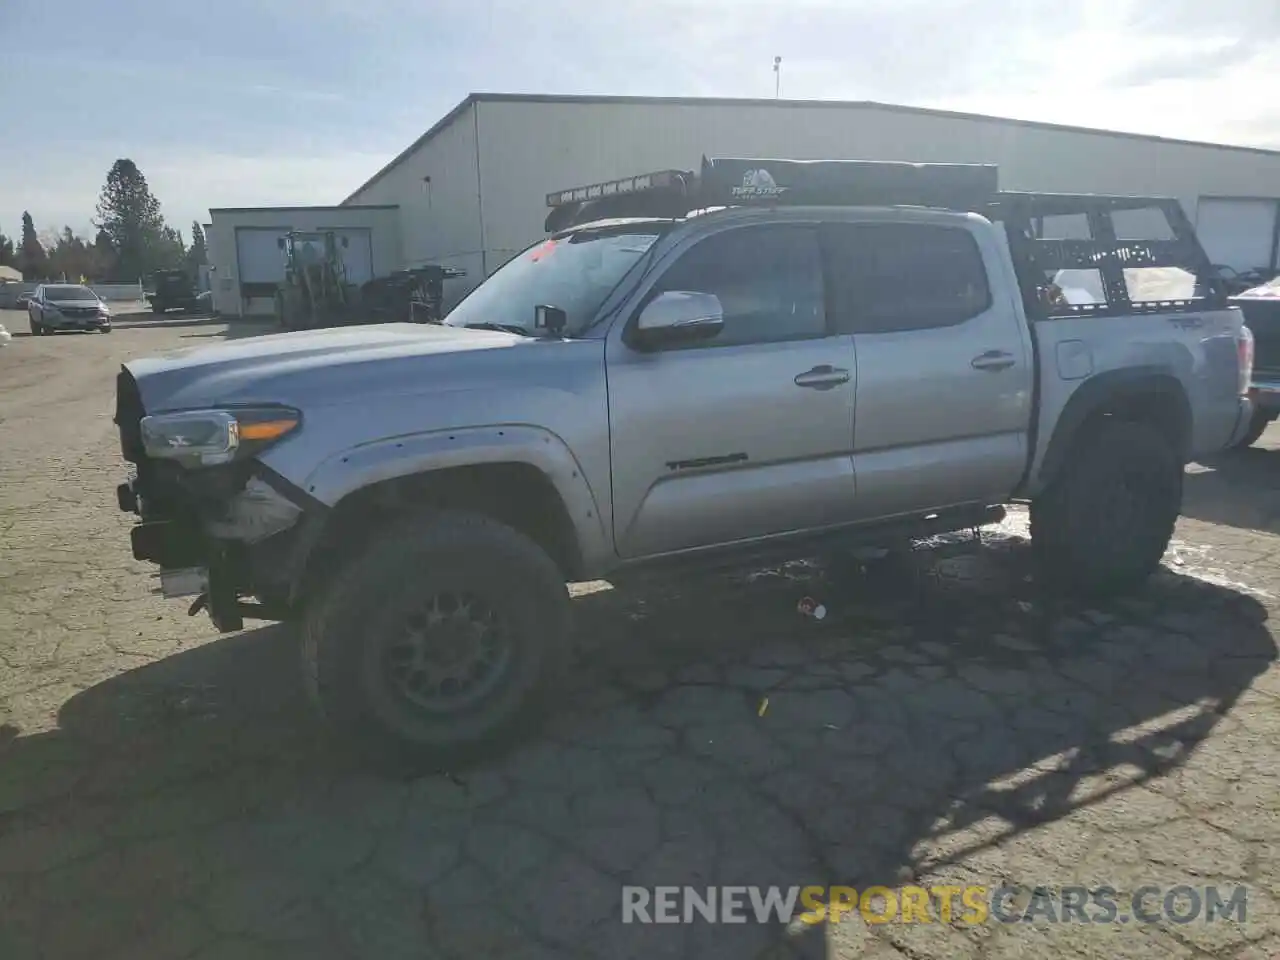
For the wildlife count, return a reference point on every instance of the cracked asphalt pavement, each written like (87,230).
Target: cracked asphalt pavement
(165,792)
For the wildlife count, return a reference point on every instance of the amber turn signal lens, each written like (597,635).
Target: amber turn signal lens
(266,429)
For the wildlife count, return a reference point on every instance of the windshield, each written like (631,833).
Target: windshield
(69,293)
(575,273)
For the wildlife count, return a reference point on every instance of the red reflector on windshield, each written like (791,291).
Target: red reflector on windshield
(542,250)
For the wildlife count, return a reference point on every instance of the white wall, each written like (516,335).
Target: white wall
(113,292)
(383,223)
(529,149)
(440,220)
(118,292)
(492,165)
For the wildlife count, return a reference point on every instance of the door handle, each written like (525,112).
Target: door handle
(822,377)
(992,361)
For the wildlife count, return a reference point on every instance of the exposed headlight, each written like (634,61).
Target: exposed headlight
(104,310)
(209,437)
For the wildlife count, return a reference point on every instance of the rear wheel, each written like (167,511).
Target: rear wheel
(1106,520)
(440,643)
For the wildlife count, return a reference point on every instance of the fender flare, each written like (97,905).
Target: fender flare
(1104,390)
(354,469)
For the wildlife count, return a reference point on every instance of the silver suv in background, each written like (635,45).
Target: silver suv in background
(66,306)
(760,360)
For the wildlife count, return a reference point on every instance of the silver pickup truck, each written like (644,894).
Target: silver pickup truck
(758,359)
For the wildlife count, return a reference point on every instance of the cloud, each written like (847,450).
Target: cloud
(299,101)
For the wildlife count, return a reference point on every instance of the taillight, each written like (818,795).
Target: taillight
(1244,350)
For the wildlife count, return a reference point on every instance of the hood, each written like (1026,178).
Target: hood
(308,367)
(1267,291)
(77,303)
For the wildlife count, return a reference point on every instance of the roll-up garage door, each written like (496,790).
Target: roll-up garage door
(1238,233)
(355,248)
(261,261)
(258,254)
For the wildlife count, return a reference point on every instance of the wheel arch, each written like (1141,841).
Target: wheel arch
(1145,394)
(546,498)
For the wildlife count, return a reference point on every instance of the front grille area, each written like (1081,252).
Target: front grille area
(79,313)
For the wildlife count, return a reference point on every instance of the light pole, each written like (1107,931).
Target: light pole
(777,77)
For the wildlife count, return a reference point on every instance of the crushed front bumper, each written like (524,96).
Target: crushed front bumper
(250,545)
(221,533)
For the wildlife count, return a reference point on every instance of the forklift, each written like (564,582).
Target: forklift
(315,292)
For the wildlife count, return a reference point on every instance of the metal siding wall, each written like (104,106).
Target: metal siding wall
(440,223)
(1238,232)
(528,149)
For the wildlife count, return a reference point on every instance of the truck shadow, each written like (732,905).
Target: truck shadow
(711,734)
(1238,488)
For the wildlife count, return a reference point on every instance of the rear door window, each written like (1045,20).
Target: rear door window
(890,277)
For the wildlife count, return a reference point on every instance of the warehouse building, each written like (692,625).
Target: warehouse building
(471,191)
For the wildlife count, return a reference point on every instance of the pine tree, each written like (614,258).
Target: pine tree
(168,252)
(31,255)
(130,216)
(103,256)
(70,258)
(198,255)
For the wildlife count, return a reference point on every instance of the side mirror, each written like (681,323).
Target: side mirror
(551,319)
(677,316)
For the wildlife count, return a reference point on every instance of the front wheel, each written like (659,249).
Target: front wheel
(37,329)
(440,643)
(1106,520)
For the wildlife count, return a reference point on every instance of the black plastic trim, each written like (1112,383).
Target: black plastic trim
(286,488)
(1097,393)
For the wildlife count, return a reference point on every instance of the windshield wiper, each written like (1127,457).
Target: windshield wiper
(500,327)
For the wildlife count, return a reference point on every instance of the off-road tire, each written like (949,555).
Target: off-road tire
(1257,426)
(446,550)
(1105,521)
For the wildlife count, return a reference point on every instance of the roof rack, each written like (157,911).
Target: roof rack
(743,181)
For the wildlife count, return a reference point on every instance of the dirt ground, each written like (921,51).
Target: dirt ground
(165,792)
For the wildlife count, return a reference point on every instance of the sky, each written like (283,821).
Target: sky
(275,102)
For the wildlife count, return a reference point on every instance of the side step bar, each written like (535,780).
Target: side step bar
(779,550)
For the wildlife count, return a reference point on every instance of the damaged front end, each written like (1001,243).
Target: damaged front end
(218,523)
